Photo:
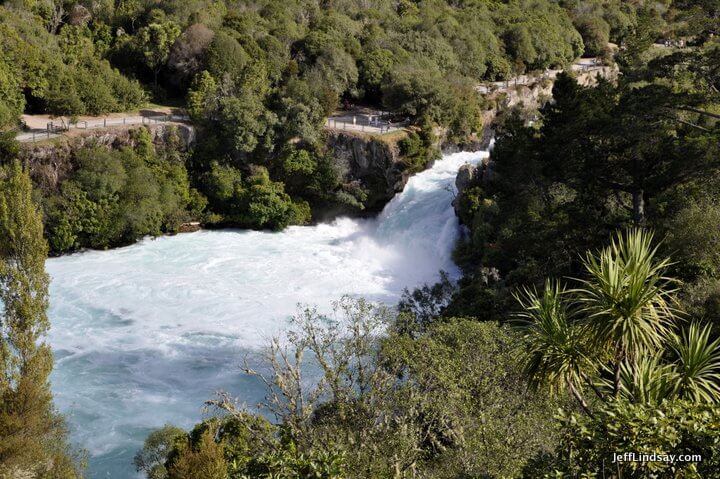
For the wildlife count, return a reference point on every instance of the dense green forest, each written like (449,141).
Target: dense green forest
(586,322)
(461,397)
(644,151)
(568,303)
(259,80)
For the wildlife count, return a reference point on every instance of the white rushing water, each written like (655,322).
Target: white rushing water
(144,335)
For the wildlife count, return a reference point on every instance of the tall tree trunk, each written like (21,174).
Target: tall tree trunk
(619,356)
(592,385)
(638,206)
(578,397)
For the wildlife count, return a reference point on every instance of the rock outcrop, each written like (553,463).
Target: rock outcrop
(372,162)
(530,95)
(467,177)
(52,161)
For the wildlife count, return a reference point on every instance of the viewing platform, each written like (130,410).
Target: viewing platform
(364,120)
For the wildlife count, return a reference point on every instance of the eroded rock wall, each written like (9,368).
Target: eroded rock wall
(52,161)
(372,162)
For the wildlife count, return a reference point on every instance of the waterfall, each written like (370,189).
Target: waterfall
(143,335)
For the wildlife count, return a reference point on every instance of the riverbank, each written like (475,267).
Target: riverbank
(78,176)
(171,318)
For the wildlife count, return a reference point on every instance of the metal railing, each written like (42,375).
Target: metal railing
(365,123)
(53,129)
(522,80)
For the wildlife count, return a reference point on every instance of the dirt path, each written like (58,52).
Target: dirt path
(41,127)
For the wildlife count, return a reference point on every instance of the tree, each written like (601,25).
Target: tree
(668,147)
(374,67)
(595,34)
(237,446)
(204,459)
(557,355)
(695,371)
(202,98)
(461,384)
(621,341)
(152,457)
(154,42)
(247,124)
(627,301)
(185,57)
(589,445)
(12,103)
(33,434)
(657,383)
(343,406)
(267,205)
(225,56)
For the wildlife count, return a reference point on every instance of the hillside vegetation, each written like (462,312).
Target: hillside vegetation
(259,79)
(587,321)
(576,333)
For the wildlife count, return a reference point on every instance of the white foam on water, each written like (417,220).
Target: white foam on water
(143,335)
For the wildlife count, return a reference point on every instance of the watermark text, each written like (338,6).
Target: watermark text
(654,457)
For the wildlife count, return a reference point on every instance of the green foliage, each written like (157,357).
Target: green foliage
(447,402)
(609,333)
(560,186)
(34,437)
(416,152)
(627,299)
(689,237)
(201,97)
(117,197)
(258,202)
(259,77)
(60,72)
(288,464)
(268,206)
(589,445)
(246,124)
(695,371)
(298,162)
(476,414)
(614,334)
(225,56)
(13,102)
(158,445)
(204,458)
(595,33)
(375,65)
(224,186)
(153,42)
(558,354)
(235,447)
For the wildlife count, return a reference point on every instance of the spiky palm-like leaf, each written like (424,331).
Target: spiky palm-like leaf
(697,364)
(645,379)
(556,354)
(627,300)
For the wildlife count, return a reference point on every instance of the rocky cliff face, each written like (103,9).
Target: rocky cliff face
(530,96)
(371,162)
(51,162)
(467,177)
